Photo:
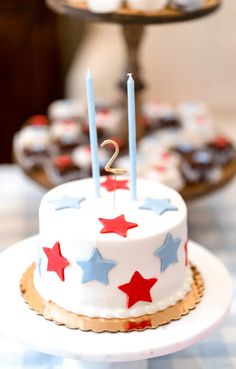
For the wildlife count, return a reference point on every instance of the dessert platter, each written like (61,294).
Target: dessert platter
(181,148)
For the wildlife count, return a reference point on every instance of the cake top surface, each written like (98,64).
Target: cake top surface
(71,210)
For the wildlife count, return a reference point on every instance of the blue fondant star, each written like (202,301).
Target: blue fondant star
(202,157)
(66,202)
(159,206)
(168,252)
(96,268)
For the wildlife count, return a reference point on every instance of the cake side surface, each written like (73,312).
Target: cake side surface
(138,266)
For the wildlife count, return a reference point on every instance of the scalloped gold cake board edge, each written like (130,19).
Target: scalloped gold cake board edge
(60,316)
(127,11)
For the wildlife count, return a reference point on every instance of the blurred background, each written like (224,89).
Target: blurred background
(36,48)
(44,57)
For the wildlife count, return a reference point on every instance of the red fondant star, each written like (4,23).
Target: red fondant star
(221,142)
(186,252)
(116,225)
(56,262)
(112,184)
(138,289)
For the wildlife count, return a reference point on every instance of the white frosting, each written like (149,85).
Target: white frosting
(78,231)
(150,5)
(103,6)
(82,156)
(160,165)
(169,175)
(155,110)
(108,6)
(33,137)
(157,163)
(109,120)
(191,109)
(68,132)
(64,109)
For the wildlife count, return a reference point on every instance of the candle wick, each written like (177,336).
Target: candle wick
(114,192)
(89,74)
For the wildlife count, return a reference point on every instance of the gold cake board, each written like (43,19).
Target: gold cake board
(60,316)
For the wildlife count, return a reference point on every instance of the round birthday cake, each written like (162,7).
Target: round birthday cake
(111,263)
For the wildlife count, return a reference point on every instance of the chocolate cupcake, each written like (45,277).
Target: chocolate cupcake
(82,158)
(31,144)
(187,5)
(199,167)
(222,150)
(62,168)
(66,135)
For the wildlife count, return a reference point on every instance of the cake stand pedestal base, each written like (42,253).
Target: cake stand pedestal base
(75,364)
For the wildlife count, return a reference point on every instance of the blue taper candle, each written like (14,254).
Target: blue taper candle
(132,137)
(93,133)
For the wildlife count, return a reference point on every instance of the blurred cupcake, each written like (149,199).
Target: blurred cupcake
(81,156)
(163,167)
(66,135)
(191,110)
(31,144)
(160,115)
(149,5)
(104,6)
(158,165)
(199,167)
(167,175)
(222,149)
(66,109)
(108,121)
(63,169)
(187,5)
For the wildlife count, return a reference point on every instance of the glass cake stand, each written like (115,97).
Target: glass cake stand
(133,23)
(89,350)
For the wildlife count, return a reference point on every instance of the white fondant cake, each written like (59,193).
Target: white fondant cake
(134,269)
